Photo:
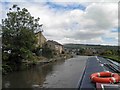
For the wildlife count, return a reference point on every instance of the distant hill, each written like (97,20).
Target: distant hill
(85,46)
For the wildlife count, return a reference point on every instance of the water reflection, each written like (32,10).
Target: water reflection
(33,77)
(63,73)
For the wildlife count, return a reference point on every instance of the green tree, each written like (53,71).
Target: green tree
(18,38)
(82,51)
(107,52)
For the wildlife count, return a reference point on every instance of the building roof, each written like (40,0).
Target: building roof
(54,42)
(38,32)
(41,34)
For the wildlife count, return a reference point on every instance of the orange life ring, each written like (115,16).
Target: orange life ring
(105,77)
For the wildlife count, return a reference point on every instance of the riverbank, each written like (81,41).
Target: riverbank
(42,60)
(113,57)
(39,60)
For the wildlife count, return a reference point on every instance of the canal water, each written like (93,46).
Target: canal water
(60,74)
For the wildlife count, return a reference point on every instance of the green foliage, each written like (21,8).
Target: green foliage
(112,54)
(6,68)
(18,38)
(113,57)
(82,51)
(47,52)
(108,52)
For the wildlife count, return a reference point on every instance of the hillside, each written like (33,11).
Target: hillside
(88,46)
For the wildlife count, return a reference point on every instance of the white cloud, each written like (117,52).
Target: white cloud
(77,26)
(0,11)
(86,1)
(64,2)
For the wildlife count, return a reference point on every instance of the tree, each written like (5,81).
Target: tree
(18,35)
(82,51)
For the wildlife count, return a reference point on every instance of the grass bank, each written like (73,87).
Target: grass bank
(113,57)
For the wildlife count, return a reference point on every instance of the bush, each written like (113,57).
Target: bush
(47,52)
(6,68)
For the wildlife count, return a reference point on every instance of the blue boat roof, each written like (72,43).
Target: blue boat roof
(93,65)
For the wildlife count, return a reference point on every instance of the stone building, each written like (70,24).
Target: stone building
(55,46)
(41,40)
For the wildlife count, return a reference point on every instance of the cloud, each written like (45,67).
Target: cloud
(105,15)
(91,1)
(65,2)
(1,10)
(76,25)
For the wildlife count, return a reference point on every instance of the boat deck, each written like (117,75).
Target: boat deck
(93,65)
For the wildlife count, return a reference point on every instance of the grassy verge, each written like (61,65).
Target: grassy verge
(113,57)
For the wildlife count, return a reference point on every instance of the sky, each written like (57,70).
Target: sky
(68,21)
